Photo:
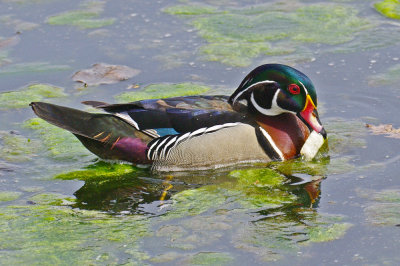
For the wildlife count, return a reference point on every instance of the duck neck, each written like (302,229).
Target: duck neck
(287,131)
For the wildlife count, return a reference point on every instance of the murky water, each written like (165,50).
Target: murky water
(61,205)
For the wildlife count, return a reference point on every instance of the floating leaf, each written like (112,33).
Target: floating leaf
(104,74)
(163,90)
(23,97)
(385,129)
(389,8)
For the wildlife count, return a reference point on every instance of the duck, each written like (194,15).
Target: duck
(271,116)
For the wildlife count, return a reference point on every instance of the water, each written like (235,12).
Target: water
(342,208)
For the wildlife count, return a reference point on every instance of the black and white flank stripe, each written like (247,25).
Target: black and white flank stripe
(160,148)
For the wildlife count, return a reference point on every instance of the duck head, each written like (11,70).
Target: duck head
(274,89)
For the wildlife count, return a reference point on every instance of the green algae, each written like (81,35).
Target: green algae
(16,148)
(37,234)
(250,188)
(87,18)
(156,91)
(389,8)
(107,183)
(285,233)
(328,232)
(190,10)
(99,171)
(329,24)
(60,144)
(390,77)
(9,195)
(211,258)
(260,188)
(383,208)
(23,97)
(53,199)
(32,67)
(237,36)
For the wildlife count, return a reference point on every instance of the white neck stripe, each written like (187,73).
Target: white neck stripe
(260,82)
(272,142)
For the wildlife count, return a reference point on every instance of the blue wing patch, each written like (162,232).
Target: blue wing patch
(165,131)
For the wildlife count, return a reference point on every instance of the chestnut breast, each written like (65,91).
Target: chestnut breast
(288,132)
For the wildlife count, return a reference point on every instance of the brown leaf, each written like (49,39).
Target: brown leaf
(385,129)
(104,74)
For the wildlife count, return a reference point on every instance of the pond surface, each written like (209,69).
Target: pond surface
(59,204)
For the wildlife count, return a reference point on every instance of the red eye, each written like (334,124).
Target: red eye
(294,89)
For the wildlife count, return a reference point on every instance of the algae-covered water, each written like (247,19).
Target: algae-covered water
(60,205)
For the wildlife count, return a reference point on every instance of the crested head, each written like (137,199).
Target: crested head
(274,89)
(266,80)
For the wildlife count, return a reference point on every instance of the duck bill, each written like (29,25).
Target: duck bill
(309,116)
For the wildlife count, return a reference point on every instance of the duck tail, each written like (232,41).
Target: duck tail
(106,135)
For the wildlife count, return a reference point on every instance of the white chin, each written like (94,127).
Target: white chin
(312,145)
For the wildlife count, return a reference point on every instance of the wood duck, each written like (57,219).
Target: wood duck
(272,115)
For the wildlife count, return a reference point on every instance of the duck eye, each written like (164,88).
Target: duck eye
(294,89)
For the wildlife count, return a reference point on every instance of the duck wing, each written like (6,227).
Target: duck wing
(160,117)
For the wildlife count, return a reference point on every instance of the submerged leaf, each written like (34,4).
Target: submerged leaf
(104,74)
(156,91)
